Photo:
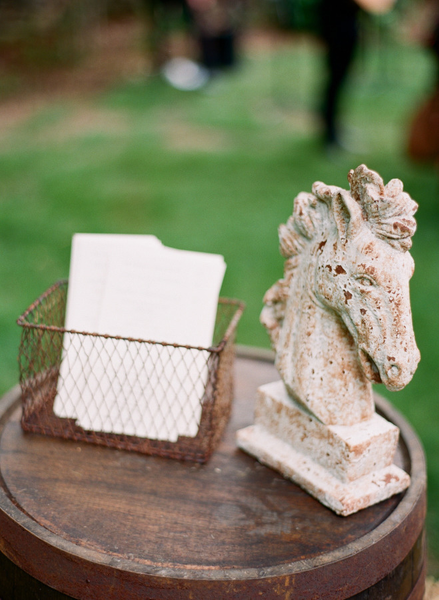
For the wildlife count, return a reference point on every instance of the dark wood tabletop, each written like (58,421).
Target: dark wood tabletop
(99,523)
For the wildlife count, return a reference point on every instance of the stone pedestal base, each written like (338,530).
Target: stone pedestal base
(347,468)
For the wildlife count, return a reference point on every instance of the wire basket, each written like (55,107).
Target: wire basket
(152,397)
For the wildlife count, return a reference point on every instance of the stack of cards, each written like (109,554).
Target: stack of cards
(133,286)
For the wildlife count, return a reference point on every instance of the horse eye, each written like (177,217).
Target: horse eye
(365,281)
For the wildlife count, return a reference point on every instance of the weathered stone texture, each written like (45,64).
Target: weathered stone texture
(339,320)
(346,451)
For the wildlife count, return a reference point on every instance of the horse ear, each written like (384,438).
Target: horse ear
(347,215)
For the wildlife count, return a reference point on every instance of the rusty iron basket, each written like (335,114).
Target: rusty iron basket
(41,355)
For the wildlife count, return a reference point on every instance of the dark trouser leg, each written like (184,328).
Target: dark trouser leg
(217,51)
(341,48)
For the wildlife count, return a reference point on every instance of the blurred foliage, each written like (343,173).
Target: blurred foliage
(297,15)
(38,33)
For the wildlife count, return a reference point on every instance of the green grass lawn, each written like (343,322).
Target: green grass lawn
(217,171)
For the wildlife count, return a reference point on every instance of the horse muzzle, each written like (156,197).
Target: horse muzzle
(396,374)
(393,373)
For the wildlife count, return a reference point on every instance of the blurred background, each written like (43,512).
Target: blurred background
(199,122)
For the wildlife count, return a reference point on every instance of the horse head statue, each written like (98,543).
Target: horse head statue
(340,318)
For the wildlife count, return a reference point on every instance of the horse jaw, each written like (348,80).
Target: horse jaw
(394,365)
(369,367)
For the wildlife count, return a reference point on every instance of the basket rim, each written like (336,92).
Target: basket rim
(21,322)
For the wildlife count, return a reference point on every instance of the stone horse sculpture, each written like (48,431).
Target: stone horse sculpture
(338,320)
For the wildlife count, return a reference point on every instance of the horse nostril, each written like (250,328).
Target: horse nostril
(393,371)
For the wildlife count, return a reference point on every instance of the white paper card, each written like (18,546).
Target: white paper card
(90,259)
(91,256)
(132,286)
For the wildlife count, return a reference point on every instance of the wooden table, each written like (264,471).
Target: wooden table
(86,522)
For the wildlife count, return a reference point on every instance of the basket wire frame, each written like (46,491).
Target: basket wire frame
(176,374)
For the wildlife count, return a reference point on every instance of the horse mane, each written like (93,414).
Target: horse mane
(294,236)
(386,209)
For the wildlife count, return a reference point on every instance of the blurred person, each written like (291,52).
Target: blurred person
(215,26)
(339,29)
(212,24)
(161,15)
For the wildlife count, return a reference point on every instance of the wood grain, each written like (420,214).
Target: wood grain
(95,522)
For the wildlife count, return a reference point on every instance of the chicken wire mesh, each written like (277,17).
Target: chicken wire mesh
(152,397)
